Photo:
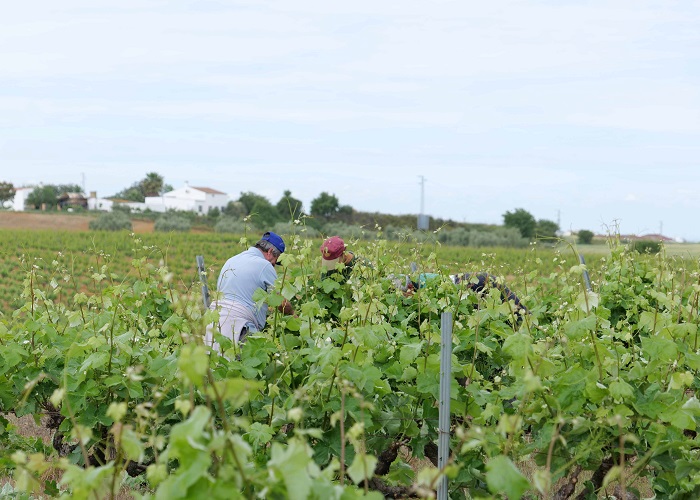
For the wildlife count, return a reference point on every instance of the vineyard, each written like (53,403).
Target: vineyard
(589,393)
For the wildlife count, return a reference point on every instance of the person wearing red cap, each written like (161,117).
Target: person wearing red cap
(336,257)
(241,276)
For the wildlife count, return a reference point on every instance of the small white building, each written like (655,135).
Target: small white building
(19,202)
(107,204)
(188,198)
(95,203)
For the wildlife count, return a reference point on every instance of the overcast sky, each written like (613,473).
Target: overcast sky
(586,113)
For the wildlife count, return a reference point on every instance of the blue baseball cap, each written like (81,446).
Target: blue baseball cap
(275,239)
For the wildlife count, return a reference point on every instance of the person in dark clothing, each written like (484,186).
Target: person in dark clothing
(477,282)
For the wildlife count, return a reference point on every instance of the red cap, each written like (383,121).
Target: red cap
(332,248)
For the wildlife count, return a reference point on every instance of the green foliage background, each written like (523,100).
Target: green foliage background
(105,335)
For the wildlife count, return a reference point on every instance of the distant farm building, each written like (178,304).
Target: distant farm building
(189,198)
(655,237)
(645,237)
(108,204)
(72,200)
(628,238)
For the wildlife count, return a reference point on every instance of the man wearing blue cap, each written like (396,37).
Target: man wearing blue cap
(240,277)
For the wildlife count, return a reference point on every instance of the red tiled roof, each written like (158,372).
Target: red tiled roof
(207,190)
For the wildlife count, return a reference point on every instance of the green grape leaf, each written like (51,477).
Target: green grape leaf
(502,476)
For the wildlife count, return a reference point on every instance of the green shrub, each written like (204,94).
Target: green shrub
(121,208)
(646,246)
(347,231)
(111,221)
(396,233)
(585,237)
(500,237)
(228,224)
(172,222)
(456,237)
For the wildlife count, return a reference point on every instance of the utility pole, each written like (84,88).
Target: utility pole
(423,222)
(559,231)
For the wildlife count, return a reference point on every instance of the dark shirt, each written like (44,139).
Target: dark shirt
(486,280)
(481,283)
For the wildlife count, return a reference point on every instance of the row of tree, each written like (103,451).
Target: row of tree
(528,226)
(325,208)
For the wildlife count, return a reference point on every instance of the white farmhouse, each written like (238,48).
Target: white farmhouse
(188,198)
(18,203)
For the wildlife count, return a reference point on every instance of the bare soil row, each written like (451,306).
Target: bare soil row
(59,222)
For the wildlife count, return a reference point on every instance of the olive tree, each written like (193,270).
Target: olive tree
(522,220)
(7,192)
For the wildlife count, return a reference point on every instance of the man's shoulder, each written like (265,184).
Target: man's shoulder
(250,259)
(251,254)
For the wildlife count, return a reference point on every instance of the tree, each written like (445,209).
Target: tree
(235,209)
(249,199)
(132,193)
(263,212)
(521,219)
(345,210)
(325,205)
(585,237)
(43,196)
(151,185)
(7,192)
(68,188)
(546,229)
(346,214)
(288,205)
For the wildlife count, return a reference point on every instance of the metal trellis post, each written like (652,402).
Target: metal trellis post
(203,279)
(444,409)
(586,278)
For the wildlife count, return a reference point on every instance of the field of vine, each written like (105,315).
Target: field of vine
(80,254)
(592,391)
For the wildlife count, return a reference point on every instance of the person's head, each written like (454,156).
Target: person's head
(272,246)
(332,250)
